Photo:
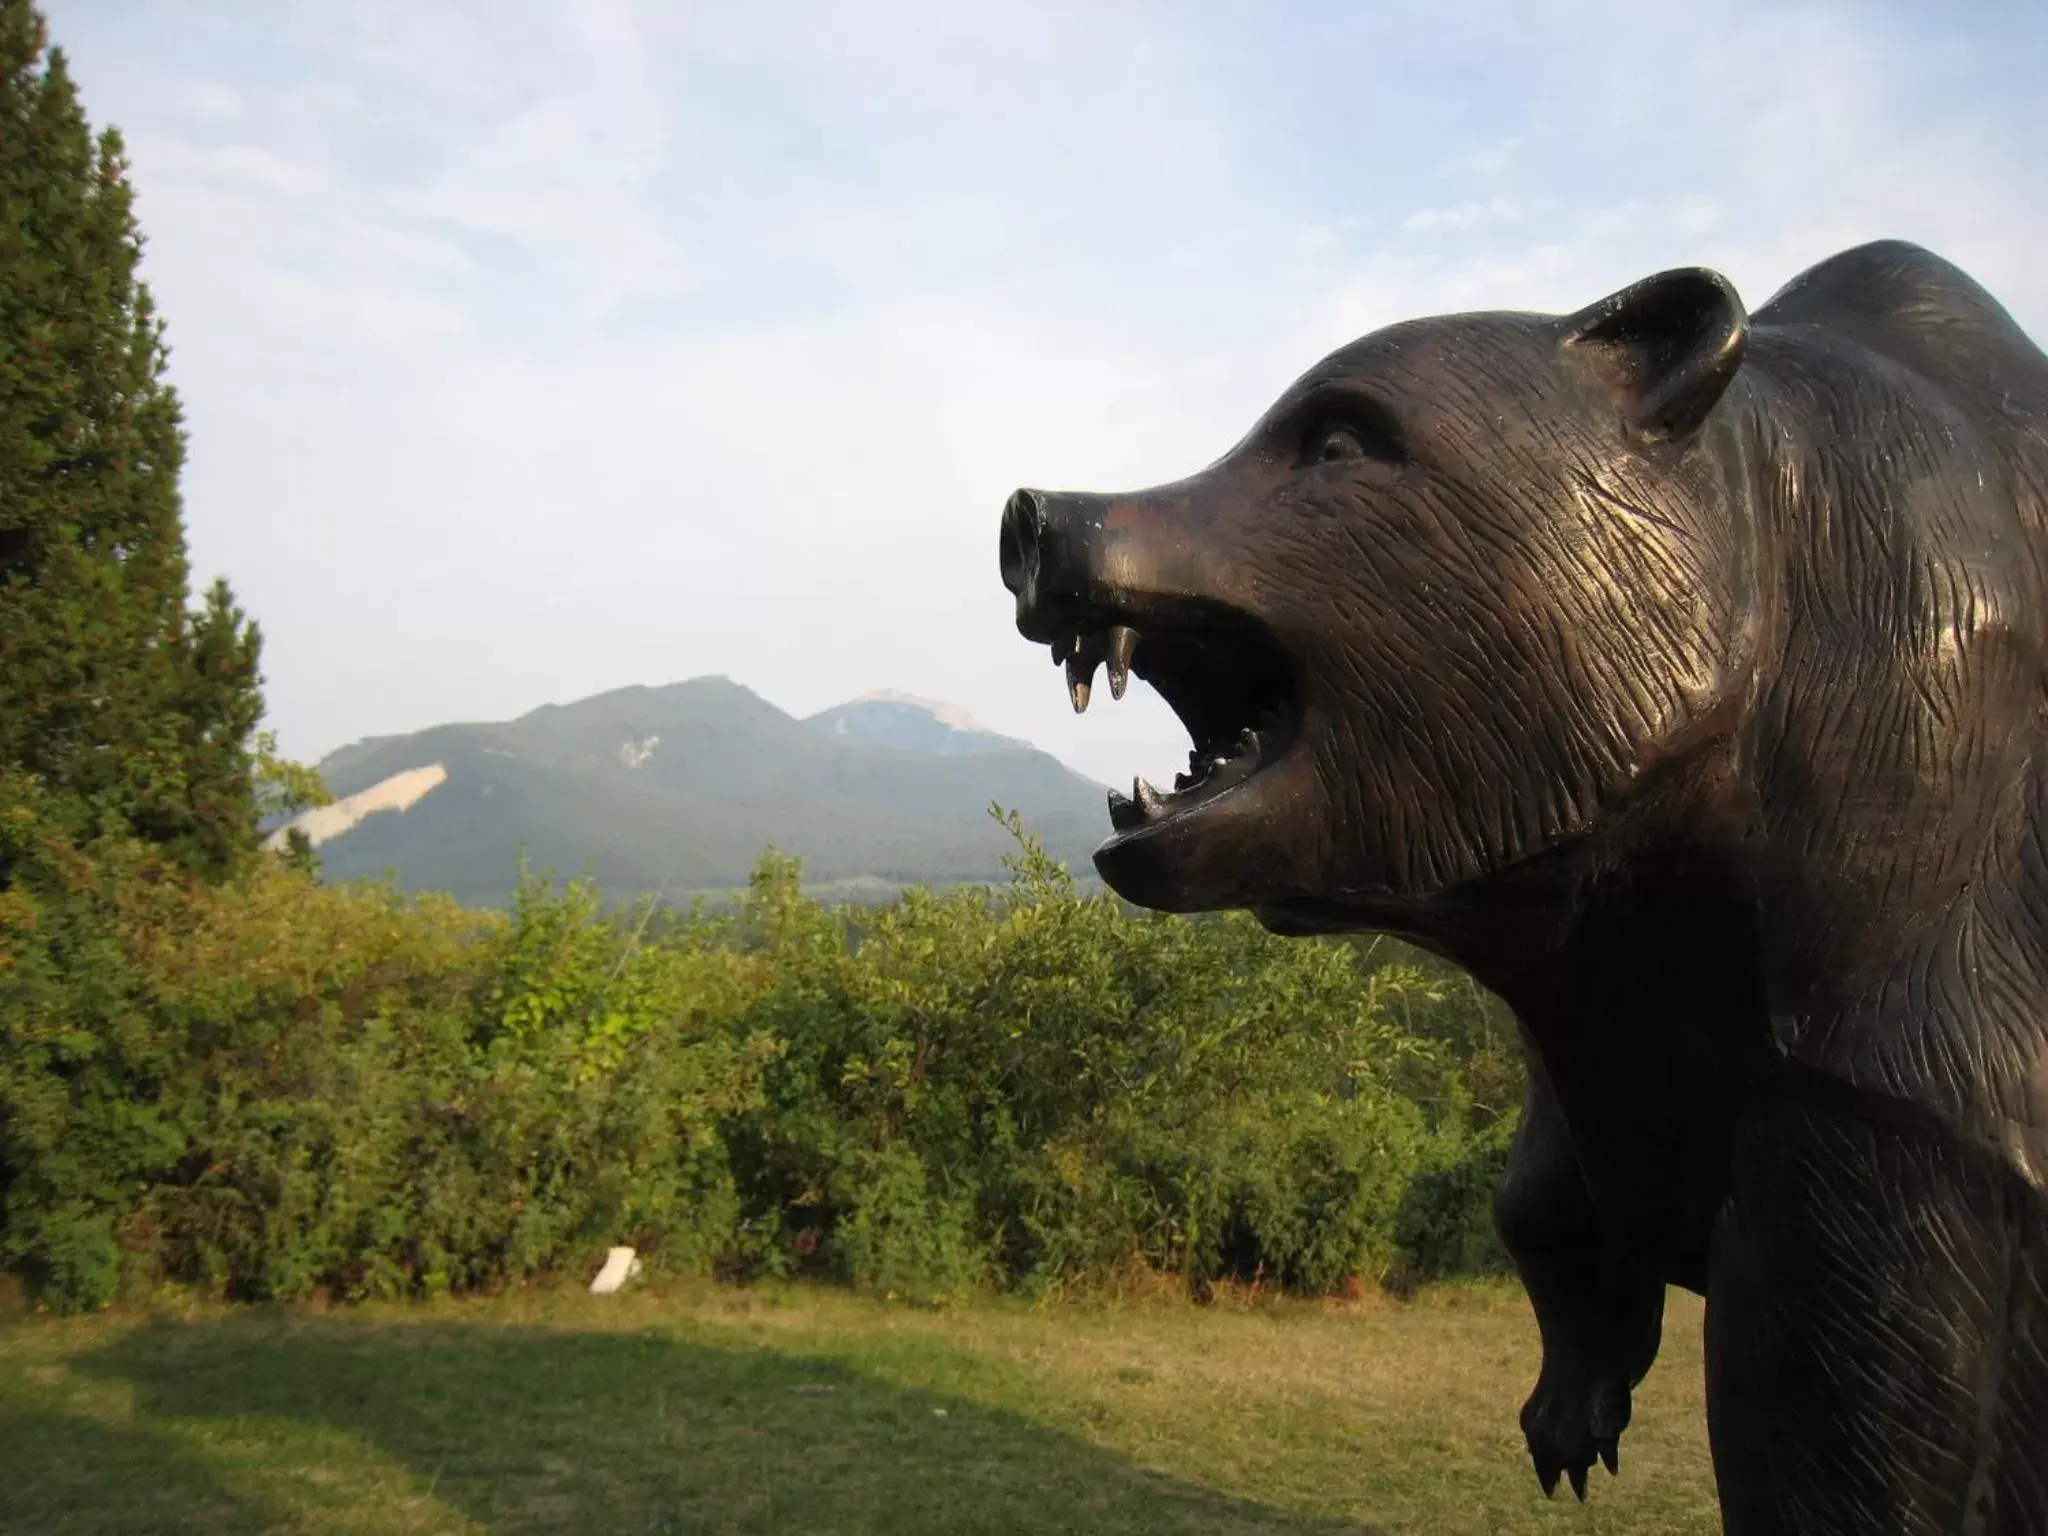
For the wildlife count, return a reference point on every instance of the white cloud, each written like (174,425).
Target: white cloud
(1465,216)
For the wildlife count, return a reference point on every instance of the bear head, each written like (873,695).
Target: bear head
(1459,591)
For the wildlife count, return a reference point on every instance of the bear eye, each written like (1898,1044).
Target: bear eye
(1335,441)
(1360,429)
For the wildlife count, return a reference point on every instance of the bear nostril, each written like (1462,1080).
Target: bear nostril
(1023,520)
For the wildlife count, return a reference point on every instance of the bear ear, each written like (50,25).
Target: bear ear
(1666,348)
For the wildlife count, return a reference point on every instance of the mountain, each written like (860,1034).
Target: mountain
(915,725)
(682,787)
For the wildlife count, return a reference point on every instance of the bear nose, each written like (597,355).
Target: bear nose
(1023,522)
(1052,546)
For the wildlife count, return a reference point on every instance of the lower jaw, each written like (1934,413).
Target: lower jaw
(1180,810)
(1177,863)
(1129,874)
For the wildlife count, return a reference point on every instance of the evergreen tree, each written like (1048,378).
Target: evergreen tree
(131,712)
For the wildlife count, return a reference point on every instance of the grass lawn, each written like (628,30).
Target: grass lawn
(792,1409)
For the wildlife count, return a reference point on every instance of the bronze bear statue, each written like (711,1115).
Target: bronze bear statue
(1681,672)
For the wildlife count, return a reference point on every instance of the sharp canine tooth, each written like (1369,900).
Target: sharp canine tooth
(1080,675)
(1148,798)
(1124,812)
(1123,642)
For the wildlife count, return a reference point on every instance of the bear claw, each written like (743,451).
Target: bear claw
(1548,1472)
(1562,1448)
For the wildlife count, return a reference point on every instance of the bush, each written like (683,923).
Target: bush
(1076,1085)
(270,1088)
(1444,1225)
(901,1237)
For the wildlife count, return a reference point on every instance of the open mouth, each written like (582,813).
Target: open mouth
(1229,683)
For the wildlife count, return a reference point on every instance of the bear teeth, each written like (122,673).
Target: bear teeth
(1084,652)
(1080,677)
(1211,770)
(1123,645)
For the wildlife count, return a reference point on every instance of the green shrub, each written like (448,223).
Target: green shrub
(269,1088)
(901,1237)
(1099,1085)
(1444,1224)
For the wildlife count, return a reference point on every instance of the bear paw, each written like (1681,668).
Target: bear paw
(1569,1420)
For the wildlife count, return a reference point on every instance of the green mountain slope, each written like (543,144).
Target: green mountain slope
(686,785)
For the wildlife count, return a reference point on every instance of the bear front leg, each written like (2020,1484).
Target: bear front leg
(1877,1327)
(1600,1314)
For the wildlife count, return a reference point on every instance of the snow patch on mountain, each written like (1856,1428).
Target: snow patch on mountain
(946,714)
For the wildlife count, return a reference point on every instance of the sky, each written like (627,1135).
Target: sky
(532,350)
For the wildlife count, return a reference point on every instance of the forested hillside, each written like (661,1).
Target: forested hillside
(678,789)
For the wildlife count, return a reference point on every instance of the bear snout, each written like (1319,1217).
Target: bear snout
(1047,564)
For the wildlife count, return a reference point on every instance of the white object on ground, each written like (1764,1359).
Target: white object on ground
(619,1267)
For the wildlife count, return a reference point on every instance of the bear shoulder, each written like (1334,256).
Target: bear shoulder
(1904,303)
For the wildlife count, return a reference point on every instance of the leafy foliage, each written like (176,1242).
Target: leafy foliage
(267,1087)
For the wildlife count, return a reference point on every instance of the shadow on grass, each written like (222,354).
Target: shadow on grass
(536,1429)
(60,1474)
